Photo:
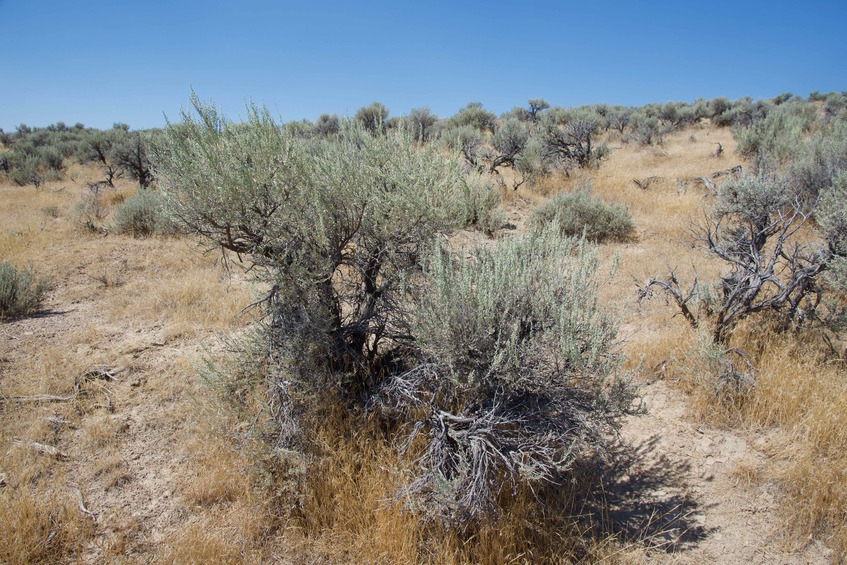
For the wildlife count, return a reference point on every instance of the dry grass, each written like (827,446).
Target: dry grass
(111,297)
(342,507)
(804,394)
(38,525)
(797,389)
(349,514)
(141,298)
(229,523)
(183,291)
(800,393)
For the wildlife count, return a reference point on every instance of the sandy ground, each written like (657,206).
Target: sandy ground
(697,504)
(684,493)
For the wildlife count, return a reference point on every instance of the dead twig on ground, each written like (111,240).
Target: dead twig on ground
(82,507)
(736,170)
(43,448)
(644,184)
(96,372)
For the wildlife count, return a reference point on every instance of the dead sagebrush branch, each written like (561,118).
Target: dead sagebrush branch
(105,374)
(42,448)
(644,184)
(705,181)
(82,507)
(736,170)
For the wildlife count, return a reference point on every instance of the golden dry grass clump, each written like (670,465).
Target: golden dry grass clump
(804,393)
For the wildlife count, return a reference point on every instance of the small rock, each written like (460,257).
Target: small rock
(710,461)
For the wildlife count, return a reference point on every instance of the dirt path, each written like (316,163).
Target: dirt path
(128,441)
(701,501)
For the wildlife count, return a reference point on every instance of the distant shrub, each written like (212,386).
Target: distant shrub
(24,170)
(835,106)
(90,209)
(372,117)
(536,107)
(676,114)
(129,153)
(816,164)
(774,140)
(465,139)
(421,122)
(569,136)
(21,292)
(508,142)
(476,116)
(517,113)
(619,118)
(644,129)
(579,212)
(143,214)
(718,106)
(35,159)
(51,157)
(327,125)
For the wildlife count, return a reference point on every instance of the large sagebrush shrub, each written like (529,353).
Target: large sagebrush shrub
(372,117)
(754,228)
(333,225)
(508,142)
(517,375)
(579,212)
(505,359)
(475,116)
(772,141)
(465,139)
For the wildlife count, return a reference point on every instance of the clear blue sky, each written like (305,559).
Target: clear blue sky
(103,61)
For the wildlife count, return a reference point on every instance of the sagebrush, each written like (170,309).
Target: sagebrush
(21,291)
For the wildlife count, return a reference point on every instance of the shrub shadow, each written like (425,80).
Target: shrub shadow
(36,315)
(638,495)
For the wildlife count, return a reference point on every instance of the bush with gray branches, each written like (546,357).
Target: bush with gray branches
(518,374)
(754,228)
(505,362)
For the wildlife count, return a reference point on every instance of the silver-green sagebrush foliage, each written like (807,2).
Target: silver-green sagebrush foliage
(334,226)
(21,291)
(579,212)
(143,214)
(518,372)
(505,361)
